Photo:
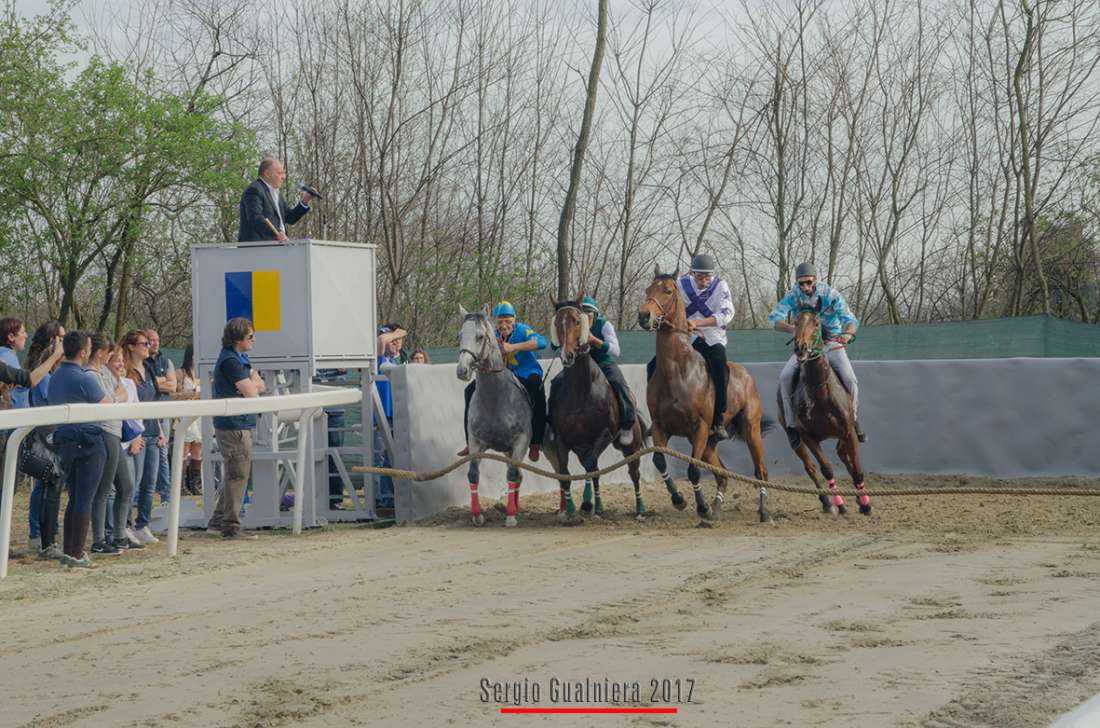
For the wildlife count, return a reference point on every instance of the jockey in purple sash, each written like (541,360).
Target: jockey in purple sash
(709,307)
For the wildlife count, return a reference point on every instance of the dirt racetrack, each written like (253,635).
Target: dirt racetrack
(961,611)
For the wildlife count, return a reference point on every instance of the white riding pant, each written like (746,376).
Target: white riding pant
(838,359)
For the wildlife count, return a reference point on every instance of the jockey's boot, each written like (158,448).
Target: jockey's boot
(533,453)
(860,435)
(793,437)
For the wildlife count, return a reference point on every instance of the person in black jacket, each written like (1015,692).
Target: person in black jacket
(262,204)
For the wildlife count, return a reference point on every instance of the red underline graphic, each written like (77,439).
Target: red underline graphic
(589,711)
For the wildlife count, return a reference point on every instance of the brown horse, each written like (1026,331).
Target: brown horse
(681,398)
(584,411)
(823,410)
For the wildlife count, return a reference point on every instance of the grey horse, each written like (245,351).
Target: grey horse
(500,411)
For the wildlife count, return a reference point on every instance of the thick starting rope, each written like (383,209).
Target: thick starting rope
(419,477)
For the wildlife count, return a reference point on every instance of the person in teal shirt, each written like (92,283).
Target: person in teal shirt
(518,342)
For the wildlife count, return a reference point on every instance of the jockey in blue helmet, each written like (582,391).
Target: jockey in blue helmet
(518,342)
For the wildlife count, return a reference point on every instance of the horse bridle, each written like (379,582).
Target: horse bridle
(581,348)
(662,319)
(478,361)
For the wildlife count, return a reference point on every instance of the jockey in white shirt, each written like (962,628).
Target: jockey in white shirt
(710,310)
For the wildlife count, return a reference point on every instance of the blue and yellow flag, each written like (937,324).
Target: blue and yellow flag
(254,295)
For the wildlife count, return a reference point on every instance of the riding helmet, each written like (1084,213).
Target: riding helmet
(504,308)
(589,304)
(804,270)
(703,263)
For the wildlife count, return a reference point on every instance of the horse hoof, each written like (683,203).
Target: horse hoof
(586,507)
(704,513)
(640,517)
(510,522)
(842,510)
(479,520)
(865,510)
(679,501)
(826,506)
(704,524)
(716,508)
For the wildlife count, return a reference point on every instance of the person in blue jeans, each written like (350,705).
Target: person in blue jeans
(164,377)
(390,338)
(80,446)
(146,465)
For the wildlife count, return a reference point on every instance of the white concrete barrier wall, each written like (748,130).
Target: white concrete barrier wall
(995,417)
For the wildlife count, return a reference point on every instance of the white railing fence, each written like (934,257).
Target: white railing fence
(22,421)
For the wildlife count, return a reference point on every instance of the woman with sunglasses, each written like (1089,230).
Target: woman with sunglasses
(136,346)
(838,325)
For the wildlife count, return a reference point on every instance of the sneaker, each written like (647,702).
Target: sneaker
(133,538)
(146,536)
(126,544)
(794,438)
(533,453)
(84,562)
(239,536)
(105,549)
(51,553)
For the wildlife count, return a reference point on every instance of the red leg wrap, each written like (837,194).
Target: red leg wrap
(475,505)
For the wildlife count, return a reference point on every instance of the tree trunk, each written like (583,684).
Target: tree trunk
(565,224)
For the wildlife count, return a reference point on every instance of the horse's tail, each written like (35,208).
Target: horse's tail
(738,424)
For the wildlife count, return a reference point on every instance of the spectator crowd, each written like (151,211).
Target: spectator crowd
(112,471)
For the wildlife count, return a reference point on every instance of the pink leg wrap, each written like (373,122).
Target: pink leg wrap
(513,498)
(863,499)
(561,503)
(475,505)
(838,499)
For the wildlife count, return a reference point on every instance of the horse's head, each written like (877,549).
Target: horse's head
(662,301)
(807,333)
(569,331)
(477,346)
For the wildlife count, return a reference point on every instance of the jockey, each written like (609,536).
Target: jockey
(838,325)
(603,347)
(709,306)
(518,342)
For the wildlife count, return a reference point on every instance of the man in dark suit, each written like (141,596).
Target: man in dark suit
(261,203)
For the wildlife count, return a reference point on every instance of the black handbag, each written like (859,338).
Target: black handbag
(37,457)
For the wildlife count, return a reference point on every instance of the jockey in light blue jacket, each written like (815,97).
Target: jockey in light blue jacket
(838,325)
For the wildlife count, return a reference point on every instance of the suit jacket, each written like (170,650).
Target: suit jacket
(256,204)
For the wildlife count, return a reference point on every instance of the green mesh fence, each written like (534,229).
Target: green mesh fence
(1036,336)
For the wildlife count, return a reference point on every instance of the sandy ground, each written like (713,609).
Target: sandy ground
(969,611)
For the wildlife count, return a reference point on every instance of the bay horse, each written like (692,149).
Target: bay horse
(681,399)
(823,410)
(500,410)
(584,411)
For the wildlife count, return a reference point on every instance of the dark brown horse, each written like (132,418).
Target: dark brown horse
(584,412)
(681,398)
(823,410)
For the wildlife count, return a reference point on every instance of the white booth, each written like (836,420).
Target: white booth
(312,304)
